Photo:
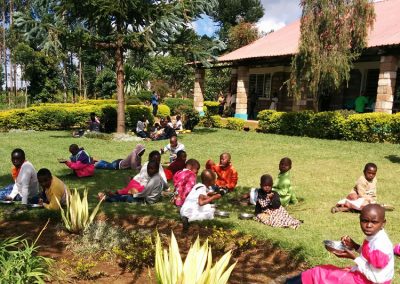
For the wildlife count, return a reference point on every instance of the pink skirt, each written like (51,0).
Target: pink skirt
(132,184)
(330,274)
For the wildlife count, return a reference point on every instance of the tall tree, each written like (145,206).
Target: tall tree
(333,34)
(131,24)
(231,12)
(242,34)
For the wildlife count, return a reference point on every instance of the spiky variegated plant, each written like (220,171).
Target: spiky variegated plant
(76,216)
(171,270)
(333,34)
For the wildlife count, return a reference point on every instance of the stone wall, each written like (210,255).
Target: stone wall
(386,84)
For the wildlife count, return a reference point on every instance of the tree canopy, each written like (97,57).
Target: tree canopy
(333,34)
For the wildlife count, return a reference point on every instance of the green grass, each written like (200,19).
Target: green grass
(323,172)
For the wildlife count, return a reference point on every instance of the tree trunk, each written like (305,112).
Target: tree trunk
(119,60)
(80,73)
(65,81)
(3,24)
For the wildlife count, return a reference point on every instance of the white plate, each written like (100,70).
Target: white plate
(35,206)
(222,214)
(6,201)
(246,216)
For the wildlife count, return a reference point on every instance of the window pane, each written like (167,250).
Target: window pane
(267,86)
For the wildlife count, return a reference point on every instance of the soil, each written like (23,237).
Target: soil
(261,264)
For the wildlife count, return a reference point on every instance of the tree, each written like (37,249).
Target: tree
(130,24)
(242,34)
(231,12)
(333,34)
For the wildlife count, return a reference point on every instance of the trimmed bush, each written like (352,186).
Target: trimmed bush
(63,117)
(176,104)
(234,123)
(144,95)
(134,113)
(367,127)
(134,101)
(212,107)
(163,111)
(213,121)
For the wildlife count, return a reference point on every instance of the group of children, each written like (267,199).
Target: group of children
(195,200)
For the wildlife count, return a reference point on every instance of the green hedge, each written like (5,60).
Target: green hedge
(163,111)
(235,123)
(212,107)
(176,104)
(65,116)
(213,121)
(367,127)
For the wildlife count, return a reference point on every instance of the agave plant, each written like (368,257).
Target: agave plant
(76,216)
(171,270)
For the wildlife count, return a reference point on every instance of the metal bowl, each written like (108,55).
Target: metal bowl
(6,202)
(334,245)
(35,206)
(222,214)
(246,216)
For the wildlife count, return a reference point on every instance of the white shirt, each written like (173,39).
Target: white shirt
(140,126)
(143,177)
(178,125)
(174,150)
(191,208)
(26,184)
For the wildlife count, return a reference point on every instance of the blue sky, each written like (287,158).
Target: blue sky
(277,14)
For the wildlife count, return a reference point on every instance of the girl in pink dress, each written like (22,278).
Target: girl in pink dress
(184,181)
(375,263)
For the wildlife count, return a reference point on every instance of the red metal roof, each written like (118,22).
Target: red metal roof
(386,31)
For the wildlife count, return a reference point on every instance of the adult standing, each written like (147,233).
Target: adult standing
(360,103)
(221,101)
(154,102)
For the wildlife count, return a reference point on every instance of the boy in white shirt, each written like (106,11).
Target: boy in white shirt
(173,147)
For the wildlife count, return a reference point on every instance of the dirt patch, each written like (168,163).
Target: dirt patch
(262,263)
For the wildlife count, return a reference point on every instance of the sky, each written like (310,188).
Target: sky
(277,14)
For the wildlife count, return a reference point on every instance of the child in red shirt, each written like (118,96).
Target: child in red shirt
(177,165)
(227,176)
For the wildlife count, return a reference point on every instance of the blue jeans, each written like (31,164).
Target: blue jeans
(104,165)
(5,191)
(141,134)
(125,198)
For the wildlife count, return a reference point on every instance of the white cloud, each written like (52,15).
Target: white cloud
(266,25)
(278,13)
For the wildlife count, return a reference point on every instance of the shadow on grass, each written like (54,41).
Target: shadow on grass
(204,130)
(66,135)
(393,158)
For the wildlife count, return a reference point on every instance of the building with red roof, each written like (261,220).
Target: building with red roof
(260,70)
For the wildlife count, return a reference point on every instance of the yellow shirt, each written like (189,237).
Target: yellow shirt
(57,189)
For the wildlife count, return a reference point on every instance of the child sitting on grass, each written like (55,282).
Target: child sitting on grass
(268,207)
(150,193)
(173,148)
(25,187)
(282,185)
(375,263)
(177,165)
(227,176)
(197,205)
(184,181)
(52,188)
(363,193)
(80,162)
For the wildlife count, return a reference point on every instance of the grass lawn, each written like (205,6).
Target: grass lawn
(323,172)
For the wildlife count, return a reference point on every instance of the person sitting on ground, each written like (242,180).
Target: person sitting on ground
(177,165)
(52,188)
(283,185)
(227,176)
(94,123)
(169,122)
(173,148)
(141,127)
(184,181)
(375,263)
(268,207)
(132,161)
(363,193)
(178,123)
(150,193)
(167,131)
(25,187)
(80,162)
(153,156)
(156,131)
(197,205)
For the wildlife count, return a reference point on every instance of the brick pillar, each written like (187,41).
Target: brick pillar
(386,84)
(199,90)
(241,92)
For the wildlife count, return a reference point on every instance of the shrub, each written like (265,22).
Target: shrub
(214,121)
(98,102)
(175,104)
(144,95)
(212,107)
(223,241)
(138,252)
(235,123)
(295,123)
(133,101)
(191,118)
(20,264)
(170,269)
(332,122)
(108,118)
(163,111)
(135,113)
